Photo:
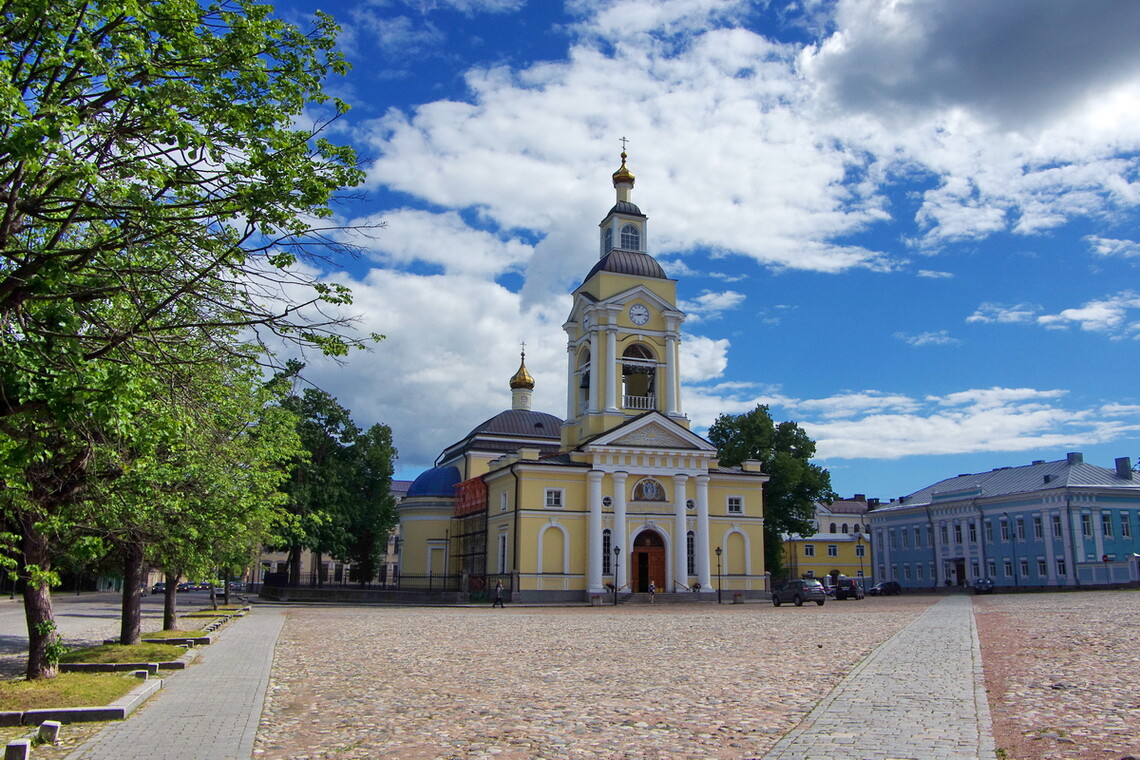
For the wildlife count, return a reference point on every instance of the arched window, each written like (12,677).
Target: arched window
(639,378)
(648,490)
(608,240)
(630,237)
(584,381)
(844,527)
(832,528)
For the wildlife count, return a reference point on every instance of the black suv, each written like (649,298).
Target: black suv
(848,588)
(886,588)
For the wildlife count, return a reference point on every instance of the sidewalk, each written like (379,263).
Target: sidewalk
(919,696)
(207,712)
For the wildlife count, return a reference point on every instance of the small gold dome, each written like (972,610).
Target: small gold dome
(522,378)
(623,174)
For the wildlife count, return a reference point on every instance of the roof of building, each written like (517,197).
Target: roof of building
(438,481)
(627,208)
(520,422)
(1071,472)
(629,262)
(846,507)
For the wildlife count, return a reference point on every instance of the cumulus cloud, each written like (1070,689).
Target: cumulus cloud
(1111,315)
(710,305)
(1101,246)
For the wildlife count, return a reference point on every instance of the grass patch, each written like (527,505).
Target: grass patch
(204,614)
(178,635)
(124,653)
(65,690)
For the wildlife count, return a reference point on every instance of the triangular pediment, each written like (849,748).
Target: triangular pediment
(652,430)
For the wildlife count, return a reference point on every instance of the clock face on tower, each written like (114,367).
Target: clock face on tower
(638,314)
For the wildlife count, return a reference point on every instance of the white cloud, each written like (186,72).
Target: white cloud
(989,313)
(710,305)
(940,338)
(1105,315)
(702,359)
(934,274)
(1101,246)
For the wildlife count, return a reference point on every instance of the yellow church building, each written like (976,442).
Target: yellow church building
(619,494)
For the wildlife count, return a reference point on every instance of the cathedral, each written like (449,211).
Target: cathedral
(618,495)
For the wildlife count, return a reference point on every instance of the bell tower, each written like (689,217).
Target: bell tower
(624,329)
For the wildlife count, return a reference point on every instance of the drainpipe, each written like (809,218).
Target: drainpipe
(1071,548)
(515,551)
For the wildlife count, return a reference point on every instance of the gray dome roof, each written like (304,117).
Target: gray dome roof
(521,422)
(627,208)
(629,262)
(438,481)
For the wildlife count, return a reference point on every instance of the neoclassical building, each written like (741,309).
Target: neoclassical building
(619,493)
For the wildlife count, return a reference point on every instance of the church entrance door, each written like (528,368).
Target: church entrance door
(648,561)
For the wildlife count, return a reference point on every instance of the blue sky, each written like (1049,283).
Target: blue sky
(910,226)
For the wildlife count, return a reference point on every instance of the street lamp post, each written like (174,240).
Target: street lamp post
(617,557)
(719,581)
(859,551)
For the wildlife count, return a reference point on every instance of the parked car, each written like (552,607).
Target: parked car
(187,586)
(885,588)
(799,591)
(848,588)
(158,588)
(984,586)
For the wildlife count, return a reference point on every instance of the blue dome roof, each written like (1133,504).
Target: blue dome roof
(438,481)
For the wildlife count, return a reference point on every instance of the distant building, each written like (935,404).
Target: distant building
(840,543)
(1060,524)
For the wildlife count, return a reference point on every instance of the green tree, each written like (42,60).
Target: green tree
(795,484)
(339,492)
(156,188)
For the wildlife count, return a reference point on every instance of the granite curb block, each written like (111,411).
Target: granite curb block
(151,668)
(117,710)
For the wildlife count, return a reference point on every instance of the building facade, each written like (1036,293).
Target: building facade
(619,494)
(840,544)
(1062,524)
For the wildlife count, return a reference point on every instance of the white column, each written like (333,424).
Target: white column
(619,539)
(594,532)
(611,369)
(704,568)
(571,384)
(680,546)
(670,374)
(595,365)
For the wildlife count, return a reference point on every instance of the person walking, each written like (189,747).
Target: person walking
(652,591)
(498,596)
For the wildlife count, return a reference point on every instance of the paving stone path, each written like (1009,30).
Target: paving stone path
(919,696)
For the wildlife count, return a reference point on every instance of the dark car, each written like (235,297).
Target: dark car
(886,588)
(984,586)
(799,591)
(158,588)
(848,588)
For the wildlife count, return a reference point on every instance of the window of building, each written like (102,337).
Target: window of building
(1007,566)
(991,568)
(608,240)
(502,553)
(833,550)
(918,538)
(554,498)
(930,536)
(735,505)
(503,501)
(1056,526)
(691,553)
(1086,525)
(1125,525)
(1041,568)
(690,504)
(1106,524)
(1004,530)
(1061,569)
(944,534)
(607,552)
(843,527)
(906,571)
(903,537)
(1024,568)
(973,532)
(639,378)
(860,550)
(974,569)
(1038,527)
(891,534)
(957,533)
(988,531)
(648,490)
(918,572)
(809,550)
(1020,529)
(882,571)
(832,528)
(607,502)
(630,238)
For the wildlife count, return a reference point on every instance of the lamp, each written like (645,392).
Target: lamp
(719,581)
(617,556)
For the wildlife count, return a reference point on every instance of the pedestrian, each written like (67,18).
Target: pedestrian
(498,596)
(652,591)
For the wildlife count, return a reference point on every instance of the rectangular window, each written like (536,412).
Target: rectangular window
(988,531)
(1125,525)
(918,538)
(974,569)
(903,536)
(554,498)
(809,550)
(973,532)
(1056,526)
(735,505)
(1004,530)
(502,553)
(1086,526)
(503,501)
(957,533)
(1020,529)
(691,553)
(607,551)
(944,533)
(1025,568)
(1007,566)
(918,572)
(1041,568)
(1038,528)
(991,568)
(833,550)
(930,536)
(906,572)
(1061,570)
(860,550)
(892,538)
(1106,524)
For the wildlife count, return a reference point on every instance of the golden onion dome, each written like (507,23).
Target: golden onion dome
(623,174)
(522,378)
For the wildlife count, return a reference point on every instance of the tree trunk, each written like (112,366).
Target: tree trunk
(226,588)
(318,567)
(170,602)
(130,632)
(295,565)
(37,603)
